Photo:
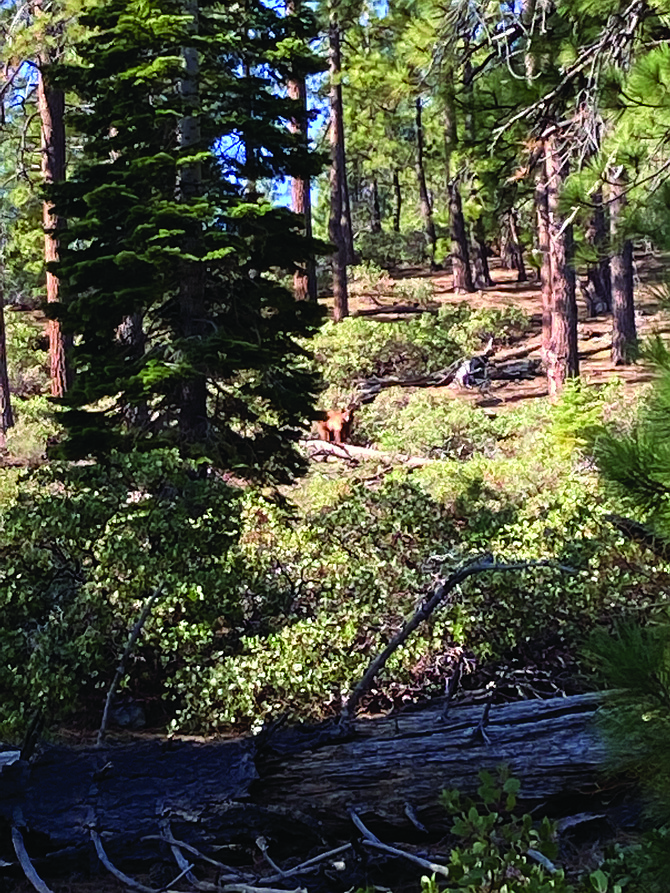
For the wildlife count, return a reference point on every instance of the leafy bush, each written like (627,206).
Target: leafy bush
(389,249)
(360,348)
(427,424)
(498,850)
(82,547)
(27,358)
(33,424)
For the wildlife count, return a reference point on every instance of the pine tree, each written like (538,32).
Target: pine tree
(168,237)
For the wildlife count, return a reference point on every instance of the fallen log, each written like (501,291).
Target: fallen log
(299,785)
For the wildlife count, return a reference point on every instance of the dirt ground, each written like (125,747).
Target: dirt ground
(594,333)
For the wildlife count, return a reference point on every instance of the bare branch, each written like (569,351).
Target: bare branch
(26,864)
(370,840)
(485,564)
(121,669)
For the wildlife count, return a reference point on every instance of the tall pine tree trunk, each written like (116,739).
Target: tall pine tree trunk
(304,280)
(599,279)
(424,198)
(337,175)
(6,415)
(51,105)
(563,357)
(460,255)
(542,209)
(624,335)
(397,207)
(193,388)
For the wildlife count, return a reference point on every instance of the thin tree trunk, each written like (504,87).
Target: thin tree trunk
(193,389)
(599,282)
(563,356)
(6,415)
(337,176)
(460,255)
(515,245)
(624,335)
(51,104)
(397,192)
(424,198)
(304,280)
(376,222)
(347,224)
(545,266)
(480,263)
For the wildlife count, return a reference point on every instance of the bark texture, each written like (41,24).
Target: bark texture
(542,209)
(599,280)
(563,360)
(624,335)
(304,280)
(460,254)
(337,176)
(301,779)
(193,390)
(51,105)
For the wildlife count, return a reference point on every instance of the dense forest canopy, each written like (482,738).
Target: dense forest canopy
(433,233)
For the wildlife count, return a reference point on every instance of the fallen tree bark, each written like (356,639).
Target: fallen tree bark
(299,785)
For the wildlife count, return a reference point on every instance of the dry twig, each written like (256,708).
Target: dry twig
(26,864)
(369,839)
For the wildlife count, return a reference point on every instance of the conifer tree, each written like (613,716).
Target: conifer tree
(165,231)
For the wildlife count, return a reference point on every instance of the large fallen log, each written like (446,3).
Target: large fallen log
(298,784)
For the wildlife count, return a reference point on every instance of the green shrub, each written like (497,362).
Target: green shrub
(429,424)
(389,249)
(27,361)
(81,548)
(496,849)
(360,348)
(33,424)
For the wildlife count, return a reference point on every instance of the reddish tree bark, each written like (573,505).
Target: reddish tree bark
(304,280)
(545,265)
(624,335)
(337,176)
(563,359)
(51,105)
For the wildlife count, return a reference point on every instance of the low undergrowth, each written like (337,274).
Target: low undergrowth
(275,602)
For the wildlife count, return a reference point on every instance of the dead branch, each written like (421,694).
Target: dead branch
(309,865)
(486,563)
(121,669)
(25,863)
(370,840)
(349,452)
(113,870)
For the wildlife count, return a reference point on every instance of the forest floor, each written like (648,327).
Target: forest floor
(594,333)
